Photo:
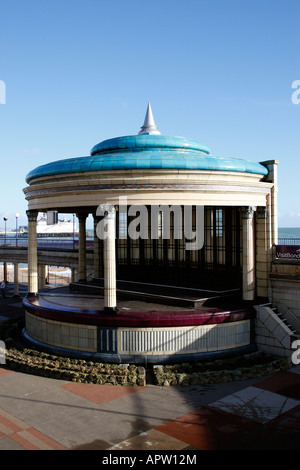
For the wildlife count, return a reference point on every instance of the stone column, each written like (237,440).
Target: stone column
(274,204)
(32,253)
(82,248)
(46,274)
(272,177)
(109,258)
(96,248)
(73,271)
(248,254)
(5,271)
(16,279)
(42,276)
(262,253)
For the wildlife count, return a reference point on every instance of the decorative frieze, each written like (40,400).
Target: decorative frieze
(30,192)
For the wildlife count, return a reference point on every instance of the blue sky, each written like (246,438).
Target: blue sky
(78,72)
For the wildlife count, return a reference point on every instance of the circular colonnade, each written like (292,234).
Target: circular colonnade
(233,206)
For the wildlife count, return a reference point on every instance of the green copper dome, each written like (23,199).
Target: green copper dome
(147,150)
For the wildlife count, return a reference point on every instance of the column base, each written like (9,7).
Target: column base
(112,310)
(32,294)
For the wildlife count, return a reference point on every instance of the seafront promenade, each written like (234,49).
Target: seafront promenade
(39,413)
(45,414)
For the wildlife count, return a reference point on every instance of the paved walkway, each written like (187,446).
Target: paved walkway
(42,414)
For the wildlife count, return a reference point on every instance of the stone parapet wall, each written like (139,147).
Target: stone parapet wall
(285,286)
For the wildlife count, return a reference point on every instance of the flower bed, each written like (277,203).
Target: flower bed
(78,370)
(75,370)
(227,370)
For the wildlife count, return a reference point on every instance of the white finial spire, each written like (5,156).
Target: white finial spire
(149,126)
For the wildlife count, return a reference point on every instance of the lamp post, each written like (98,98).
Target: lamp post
(5,220)
(17,217)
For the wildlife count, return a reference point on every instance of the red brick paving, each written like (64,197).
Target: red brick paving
(208,428)
(285,383)
(5,371)
(100,393)
(23,434)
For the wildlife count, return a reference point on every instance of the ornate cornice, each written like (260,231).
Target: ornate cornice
(143,186)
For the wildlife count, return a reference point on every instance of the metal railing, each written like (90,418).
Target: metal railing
(288,241)
(70,244)
(288,249)
(45,244)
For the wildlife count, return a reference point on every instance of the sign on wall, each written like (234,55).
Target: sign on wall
(287,251)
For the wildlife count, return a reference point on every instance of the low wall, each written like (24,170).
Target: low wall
(272,335)
(139,345)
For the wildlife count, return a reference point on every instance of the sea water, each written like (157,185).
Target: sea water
(288,233)
(293,232)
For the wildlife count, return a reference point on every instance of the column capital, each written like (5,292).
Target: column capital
(106,210)
(32,215)
(81,216)
(262,212)
(248,212)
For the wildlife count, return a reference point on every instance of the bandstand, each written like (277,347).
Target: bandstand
(157,294)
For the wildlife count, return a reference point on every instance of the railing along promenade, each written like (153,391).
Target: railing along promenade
(51,251)
(45,244)
(289,241)
(287,248)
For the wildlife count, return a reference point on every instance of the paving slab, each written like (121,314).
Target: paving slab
(41,413)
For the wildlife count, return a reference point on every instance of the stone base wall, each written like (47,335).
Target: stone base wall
(140,344)
(62,334)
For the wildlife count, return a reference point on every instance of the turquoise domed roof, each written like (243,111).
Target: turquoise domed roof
(147,150)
